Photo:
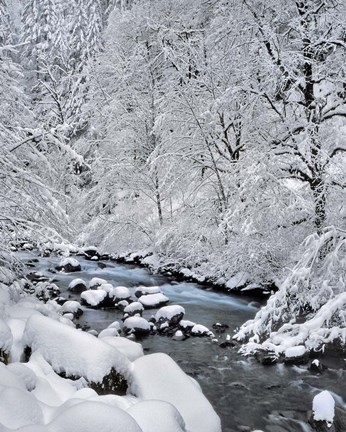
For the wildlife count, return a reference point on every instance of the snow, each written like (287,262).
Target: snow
(152,300)
(239,279)
(72,351)
(136,322)
(323,407)
(76,282)
(168,312)
(157,376)
(66,261)
(200,329)
(6,338)
(94,416)
(142,290)
(165,417)
(95,282)
(132,350)
(120,293)
(108,332)
(134,307)
(18,408)
(187,324)
(106,287)
(93,297)
(70,306)
(295,351)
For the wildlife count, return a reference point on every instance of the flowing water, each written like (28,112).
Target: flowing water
(245,394)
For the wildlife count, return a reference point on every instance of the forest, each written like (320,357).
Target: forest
(201,138)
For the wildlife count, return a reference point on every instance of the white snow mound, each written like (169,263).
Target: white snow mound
(157,376)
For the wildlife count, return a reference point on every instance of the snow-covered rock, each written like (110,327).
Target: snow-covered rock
(200,330)
(6,340)
(136,325)
(132,350)
(296,355)
(93,298)
(46,291)
(160,416)
(120,293)
(77,285)
(323,408)
(73,307)
(152,301)
(73,352)
(143,290)
(94,416)
(172,314)
(18,408)
(133,309)
(108,332)
(69,265)
(96,282)
(157,376)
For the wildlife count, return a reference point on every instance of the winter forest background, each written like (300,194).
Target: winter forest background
(210,133)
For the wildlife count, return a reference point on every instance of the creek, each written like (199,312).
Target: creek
(245,394)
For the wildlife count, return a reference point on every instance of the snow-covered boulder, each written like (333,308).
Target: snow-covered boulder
(172,314)
(136,325)
(316,366)
(93,298)
(46,291)
(96,282)
(6,340)
(94,416)
(186,325)
(25,374)
(153,301)
(200,330)
(155,415)
(77,286)
(133,309)
(73,307)
(77,354)
(18,408)
(108,332)
(69,265)
(132,350)
(157,376)
(323,412)
(143,290)
(296,355)
(120,293)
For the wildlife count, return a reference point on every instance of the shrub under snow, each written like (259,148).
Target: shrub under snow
(314,292)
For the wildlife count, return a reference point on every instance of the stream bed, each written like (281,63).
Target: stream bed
(245,394)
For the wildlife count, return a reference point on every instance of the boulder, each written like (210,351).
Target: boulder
(200,330)
(296,355)
(172,315)
(95,282)
(69,265)
(94,298)
(46,291)
(153,301)
(142,290)
(136,325)
(77,286)
(72,307)
(119,293)
(134,309)
(316,366)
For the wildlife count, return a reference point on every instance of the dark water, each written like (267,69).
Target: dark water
(245,394)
